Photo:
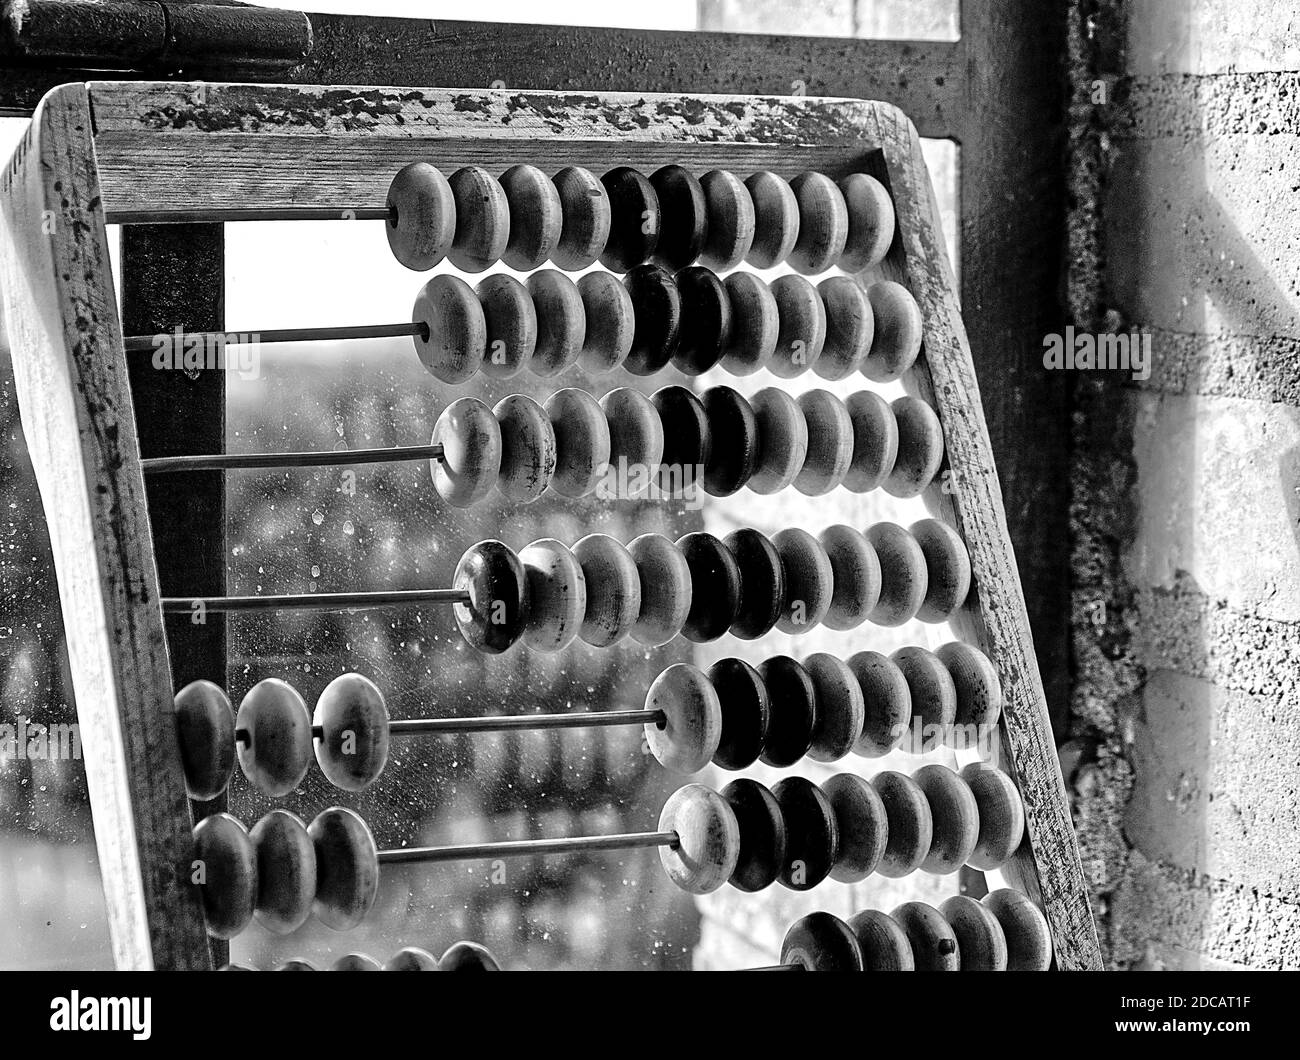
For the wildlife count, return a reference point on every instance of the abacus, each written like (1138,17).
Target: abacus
(669,194)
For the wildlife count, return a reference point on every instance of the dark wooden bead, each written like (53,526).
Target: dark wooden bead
(1029,939)
(934,696)
(685,219)
(955,816)
(286,871)
(762,835)
(829,455)
(850,326)
(888,701)
(783,440)
(885,946)
(706,320)
(863,826)
(823,223)
(812,834)
(911,826)
(903,574)
(840,707)
(762,583)
(228,883)
(776,219)
(731,220)
(875,441)
(352,747)
(745,711)
(536,217)
(934,946)
(822,942)
(356,962)
(733,428)
(809,580)
(948,570)
(715,587)
(899,332)
(468,957)
(586,216)
(755,324)
(658,307)
(205,727)
(482,219)
(347,868)
(801,331)
(980,939)
(511,322)
(793,711)
(636,219)
(1002,815)
(636,440)
(421,216)
(411,959)
(920,448)
(872,222)
(277,751)
(979,692)
(495,615)
(611,321)
(687,441)
(855,573)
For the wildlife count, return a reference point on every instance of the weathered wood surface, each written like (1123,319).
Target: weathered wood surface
(61,313)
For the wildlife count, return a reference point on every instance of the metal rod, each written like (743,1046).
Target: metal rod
(315,601)
(242,461)
(513,722)
(140,343)
(224,214)
(529,847)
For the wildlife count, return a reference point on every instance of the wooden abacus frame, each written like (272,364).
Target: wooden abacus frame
(96,153)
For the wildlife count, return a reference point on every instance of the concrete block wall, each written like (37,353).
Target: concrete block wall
(1185,757)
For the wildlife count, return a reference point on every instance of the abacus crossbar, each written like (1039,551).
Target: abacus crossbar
(314,601)
(244,461)
(528,848)
(246,337)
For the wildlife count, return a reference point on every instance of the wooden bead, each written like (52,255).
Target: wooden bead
(745,712)
(1001,812)
(421,216)
(286,871)
(792,711)
(823,223)
(948,570)
(934,945)
(468,957)
(875,441)
(782,440)
(347,868)
(411,959)
(229,874)
(1029,939)
(613,589)
(277,749)
(871,222)
(762,583)
(755,324)
(611,322)
(903,574)
(885,946)
(809,580)
(979,692)
(910,824)
(557,595)
(821,942)
(482,219)
(527,448)
(980,941)
(356,962)
(955,816)
(352,747)
(296,964)
(665,589)
(888,703)
(205,728)
(934,697)
(850,327)
(812,834)
(920,448)
(470,437)
(801,327)
(636,439)
(536,217)
(561,322)
(687,441)
(685,217)
(862,823)
(657,305)
(494,617)
(855,575)
(776,220)
(899,332)
(840,707)
(715,587)
(634,229)
(708,839)
(687,739)
(733,430)
(706,321)
(731,223)
(762,835)
(454,342)
(511,324)
(830,443)
(581,441)
(586,213)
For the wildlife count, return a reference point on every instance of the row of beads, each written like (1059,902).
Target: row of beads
(675,442)
(1003,932)
(701,587)
(650,318)
(625,218)
(799,833)
(459,957)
